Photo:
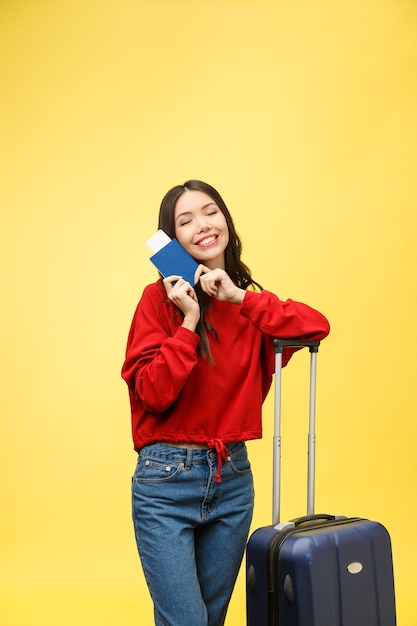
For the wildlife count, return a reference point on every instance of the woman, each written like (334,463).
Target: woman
(199,364)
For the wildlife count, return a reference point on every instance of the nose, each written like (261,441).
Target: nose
(202,224)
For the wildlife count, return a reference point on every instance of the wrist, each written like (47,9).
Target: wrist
(190,322)
(239,296)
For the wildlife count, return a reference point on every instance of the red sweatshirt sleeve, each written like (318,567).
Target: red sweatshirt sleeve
(157,364)
(284,319)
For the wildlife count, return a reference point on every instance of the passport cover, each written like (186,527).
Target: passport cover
(174,259)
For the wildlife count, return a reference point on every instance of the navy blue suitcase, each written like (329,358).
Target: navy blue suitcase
(317,570)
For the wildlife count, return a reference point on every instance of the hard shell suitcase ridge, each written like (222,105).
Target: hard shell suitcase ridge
(316,570)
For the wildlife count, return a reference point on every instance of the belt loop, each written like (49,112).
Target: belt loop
(189,459)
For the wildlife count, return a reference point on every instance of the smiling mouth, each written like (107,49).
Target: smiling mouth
(207,241)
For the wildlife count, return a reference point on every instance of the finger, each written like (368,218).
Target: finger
(181,288)
(201,270)
(170,281)
(208,284)
(192,294)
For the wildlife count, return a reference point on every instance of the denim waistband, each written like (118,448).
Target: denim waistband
(190,455)
(181,448)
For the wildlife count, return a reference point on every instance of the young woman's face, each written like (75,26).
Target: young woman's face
(201,228)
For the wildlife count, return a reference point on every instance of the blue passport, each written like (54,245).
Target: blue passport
(174,259)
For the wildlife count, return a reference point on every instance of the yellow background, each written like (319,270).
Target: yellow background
(303,115)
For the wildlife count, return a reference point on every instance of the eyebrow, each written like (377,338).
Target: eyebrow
(205,206)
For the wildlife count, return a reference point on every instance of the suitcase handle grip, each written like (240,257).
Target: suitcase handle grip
(312,518)
(280,344)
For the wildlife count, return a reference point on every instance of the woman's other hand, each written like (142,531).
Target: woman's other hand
(182,294)
(218,284)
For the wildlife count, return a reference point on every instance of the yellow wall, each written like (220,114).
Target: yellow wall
(303,114)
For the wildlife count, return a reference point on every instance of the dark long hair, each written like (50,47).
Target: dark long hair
(234,266)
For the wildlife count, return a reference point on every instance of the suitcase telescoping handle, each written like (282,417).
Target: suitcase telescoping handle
(313,347)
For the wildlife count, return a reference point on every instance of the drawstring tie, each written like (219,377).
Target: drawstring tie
(222,454)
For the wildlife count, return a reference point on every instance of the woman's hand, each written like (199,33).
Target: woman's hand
(219,285)
(182,294)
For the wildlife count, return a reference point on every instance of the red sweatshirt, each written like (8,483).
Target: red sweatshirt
(176,396)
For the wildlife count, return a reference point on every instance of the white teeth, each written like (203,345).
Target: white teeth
(204,242)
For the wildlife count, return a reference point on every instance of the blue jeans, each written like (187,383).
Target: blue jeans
(191,531)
